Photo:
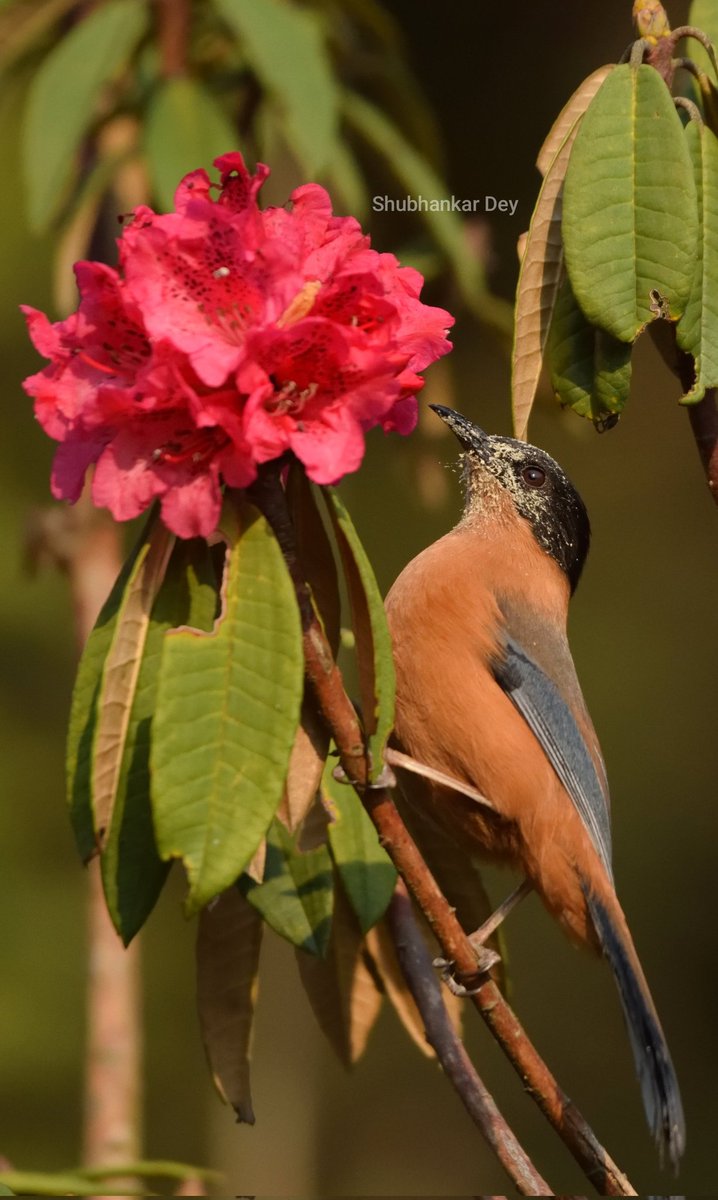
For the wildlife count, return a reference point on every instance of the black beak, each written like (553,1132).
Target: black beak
(470,437)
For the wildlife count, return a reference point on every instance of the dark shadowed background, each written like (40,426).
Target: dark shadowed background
(644,633)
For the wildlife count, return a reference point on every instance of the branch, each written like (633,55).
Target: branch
(87,548)
(703,416)
(416,964)
(343,723)
(173,17)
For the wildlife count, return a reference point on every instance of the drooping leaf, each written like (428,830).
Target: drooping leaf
(306,764)
(381,947)
(227,712)
(133,873)
(571,112)
(629,212)
(286,49)
(186,128)
(229,938)
(120,673)
(62,102)
(419,178)
(367,872)
(697,330)
(343,991)
(373,642)
(347,183)
(296,897)
(83,712)
(703,15)
(590,370)
(22,26)
(315,553)
(538,284)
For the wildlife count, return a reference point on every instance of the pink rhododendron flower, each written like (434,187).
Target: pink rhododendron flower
(227,336)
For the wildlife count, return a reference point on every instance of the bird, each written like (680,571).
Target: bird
(487,694)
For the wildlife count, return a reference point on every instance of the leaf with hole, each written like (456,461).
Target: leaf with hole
(227,712)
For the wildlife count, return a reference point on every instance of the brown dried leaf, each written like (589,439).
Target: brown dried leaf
(315,826)
(381,947)
(342,988)
(121,671)
(255,868)
(228,943)
(570,113)
(539,281)
(306,765)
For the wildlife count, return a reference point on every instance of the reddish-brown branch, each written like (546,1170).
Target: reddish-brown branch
(342,720)
(703,416)
(416,964)
(173,18)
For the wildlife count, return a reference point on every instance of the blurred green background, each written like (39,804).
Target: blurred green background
(644,637)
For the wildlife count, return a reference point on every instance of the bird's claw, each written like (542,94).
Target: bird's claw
(486,959)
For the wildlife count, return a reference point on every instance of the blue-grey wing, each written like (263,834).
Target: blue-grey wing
(544,709)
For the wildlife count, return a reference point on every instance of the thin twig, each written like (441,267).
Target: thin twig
(342,720)
(405,762)
(416,964)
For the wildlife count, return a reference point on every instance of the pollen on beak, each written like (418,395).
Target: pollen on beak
(470,437)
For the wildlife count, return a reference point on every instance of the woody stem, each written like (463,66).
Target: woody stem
(341,718)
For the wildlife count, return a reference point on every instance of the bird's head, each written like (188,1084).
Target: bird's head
(497,469)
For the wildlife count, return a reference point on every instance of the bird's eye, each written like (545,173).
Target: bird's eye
(534,476)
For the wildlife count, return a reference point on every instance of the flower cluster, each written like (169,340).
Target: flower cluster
(228,336)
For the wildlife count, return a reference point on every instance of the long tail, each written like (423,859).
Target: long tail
(659,1086)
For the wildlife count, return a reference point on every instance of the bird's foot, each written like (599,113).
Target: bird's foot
(485,960)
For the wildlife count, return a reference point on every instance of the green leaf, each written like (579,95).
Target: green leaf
(120,672)
(629,208)
(377,685)
(227,712)
(419,178)
(62,102)
(83,712)
(186,128)
(590,370)
(296,896)
(572,111)
(366,870)
(132,871)
(285,47)
(697,331)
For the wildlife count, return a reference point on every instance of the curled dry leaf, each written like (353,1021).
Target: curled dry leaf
(306,765)
(343,988)
(570,113)
(228,943)
(539,281)
(381,947)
